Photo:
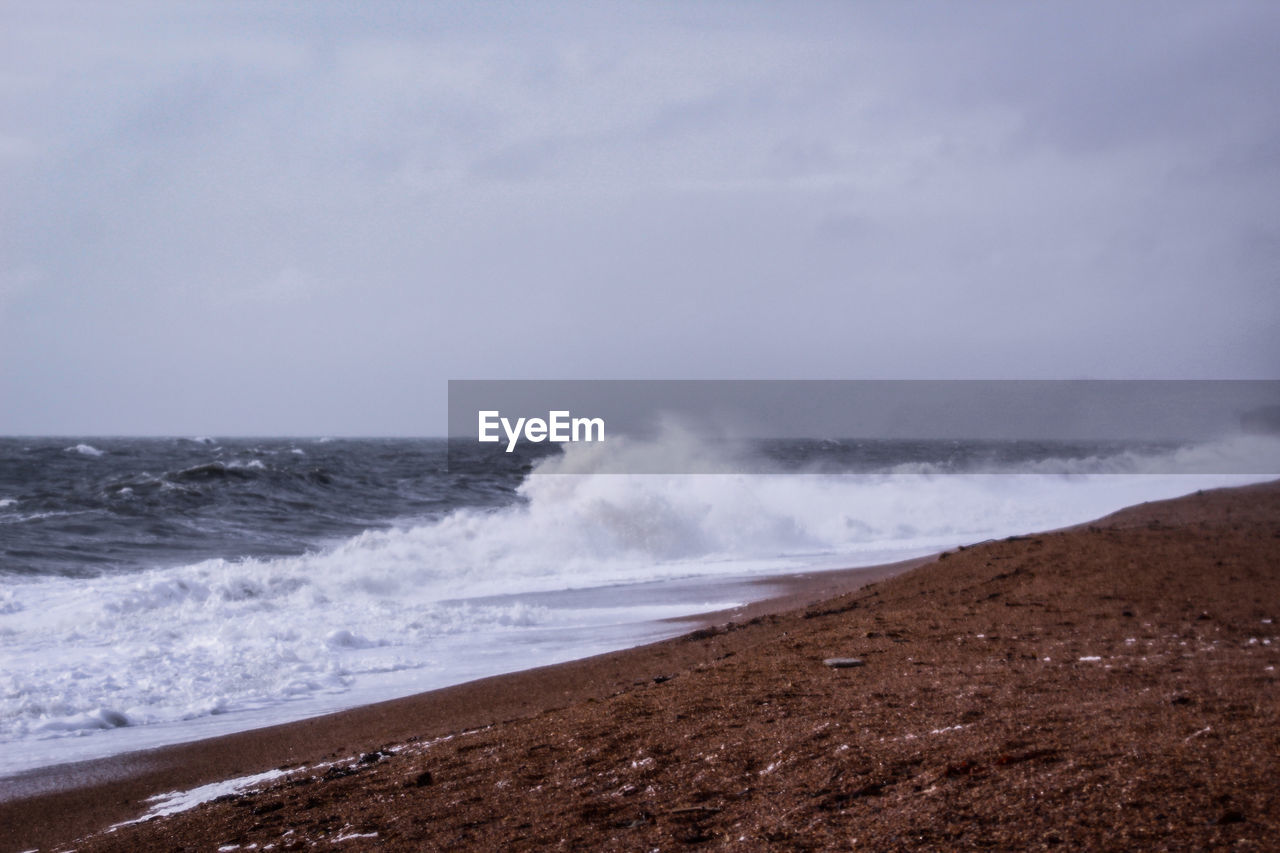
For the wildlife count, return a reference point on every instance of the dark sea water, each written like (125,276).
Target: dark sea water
(83,506)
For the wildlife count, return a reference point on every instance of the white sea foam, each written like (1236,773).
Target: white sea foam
(36,516)
(165,655)
(85,450)
(176,802)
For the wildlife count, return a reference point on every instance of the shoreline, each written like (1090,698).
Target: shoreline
(100,792)
(785,592)
(90,796)
(696,600)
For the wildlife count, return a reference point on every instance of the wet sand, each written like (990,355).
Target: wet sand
(1109,686)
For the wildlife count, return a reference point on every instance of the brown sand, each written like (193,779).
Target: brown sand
(1113,686)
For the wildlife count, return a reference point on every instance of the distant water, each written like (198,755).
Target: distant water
(157,590)
(85,507)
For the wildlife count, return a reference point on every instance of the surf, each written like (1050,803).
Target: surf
(579,559)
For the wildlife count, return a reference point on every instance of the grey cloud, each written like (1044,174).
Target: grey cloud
(353,204)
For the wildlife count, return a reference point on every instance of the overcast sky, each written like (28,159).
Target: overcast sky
(303,218)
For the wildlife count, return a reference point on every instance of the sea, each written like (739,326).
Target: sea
(160,590)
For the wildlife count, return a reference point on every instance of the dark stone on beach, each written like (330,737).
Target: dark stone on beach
(1232,816)
(963,768)
(338,773)
(843,663)
(423,779)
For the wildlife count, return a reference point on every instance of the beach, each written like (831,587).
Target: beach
(1110,685)
(645,427)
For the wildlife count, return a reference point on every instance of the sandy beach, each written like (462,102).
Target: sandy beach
(1109,686)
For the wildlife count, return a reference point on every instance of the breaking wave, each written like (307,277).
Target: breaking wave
(393,608)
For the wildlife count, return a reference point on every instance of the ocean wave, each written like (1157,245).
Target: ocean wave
(40,516)
(85,450)
(211,471)
(222,636)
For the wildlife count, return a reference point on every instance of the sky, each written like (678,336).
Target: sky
(240,218)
